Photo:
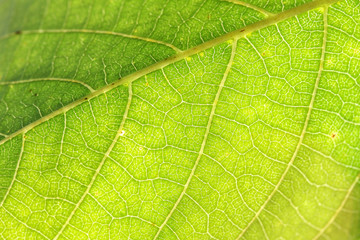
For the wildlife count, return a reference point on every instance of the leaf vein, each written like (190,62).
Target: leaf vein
(106,155)
(233,50)
(341,206)
(99,32)
(289,165)
(254,7)
(47,79)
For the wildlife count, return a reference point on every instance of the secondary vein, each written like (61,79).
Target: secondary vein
(102,32)
(291,162)
(16,170)
(106,155)
(248,5)
(47,79)
(212,113)
(341,206)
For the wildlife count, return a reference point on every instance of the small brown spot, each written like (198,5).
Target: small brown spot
(24,136)
(113,84)
(263,54)
(333,135)
(242,30)
(36,94)
(86,98)
(18,32)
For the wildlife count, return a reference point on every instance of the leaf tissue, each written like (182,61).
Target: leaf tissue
(169,119)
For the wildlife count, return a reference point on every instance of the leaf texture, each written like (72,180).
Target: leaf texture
(179,120)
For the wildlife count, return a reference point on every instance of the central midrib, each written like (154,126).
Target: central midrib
(182,55)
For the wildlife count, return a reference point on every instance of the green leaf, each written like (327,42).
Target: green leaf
(198,119)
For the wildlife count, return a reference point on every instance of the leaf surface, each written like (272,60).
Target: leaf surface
(168,120)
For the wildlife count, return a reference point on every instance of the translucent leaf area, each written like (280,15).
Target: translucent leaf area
(196,119)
